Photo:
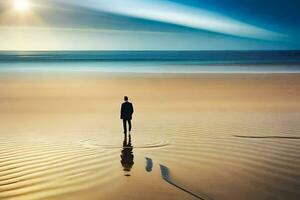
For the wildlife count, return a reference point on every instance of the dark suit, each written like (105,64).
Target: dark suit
(126,115)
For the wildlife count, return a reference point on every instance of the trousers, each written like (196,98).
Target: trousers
(125,121)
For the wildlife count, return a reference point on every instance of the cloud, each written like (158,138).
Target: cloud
(178,14)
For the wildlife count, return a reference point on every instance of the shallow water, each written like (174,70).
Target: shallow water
(61,138)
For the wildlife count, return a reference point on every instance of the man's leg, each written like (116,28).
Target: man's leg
(129,124)
(124,126)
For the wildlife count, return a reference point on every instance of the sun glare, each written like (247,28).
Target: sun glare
(22,5)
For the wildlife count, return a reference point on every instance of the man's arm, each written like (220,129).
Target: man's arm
(122,111)
(132,109)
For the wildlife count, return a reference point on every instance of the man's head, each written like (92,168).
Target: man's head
(125,98)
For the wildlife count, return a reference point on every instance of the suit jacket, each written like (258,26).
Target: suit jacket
(126,110)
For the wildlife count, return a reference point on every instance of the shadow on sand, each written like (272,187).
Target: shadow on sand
(166,176)
(127,155)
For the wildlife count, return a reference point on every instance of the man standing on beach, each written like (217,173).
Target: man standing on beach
(126,114)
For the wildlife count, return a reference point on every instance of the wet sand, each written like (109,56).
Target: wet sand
(205,136)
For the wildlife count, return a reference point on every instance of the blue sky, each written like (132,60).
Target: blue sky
(149,24)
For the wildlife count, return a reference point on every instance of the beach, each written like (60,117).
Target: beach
(195,136)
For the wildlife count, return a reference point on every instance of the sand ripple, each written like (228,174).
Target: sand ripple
(151,145)
(219,160)
(43,171)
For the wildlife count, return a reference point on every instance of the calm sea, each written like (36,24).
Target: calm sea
(153,61)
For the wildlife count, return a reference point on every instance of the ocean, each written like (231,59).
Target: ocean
(153,61)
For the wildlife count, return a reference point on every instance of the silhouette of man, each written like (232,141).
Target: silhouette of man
(126,114)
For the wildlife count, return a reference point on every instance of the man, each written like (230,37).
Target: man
(126,114)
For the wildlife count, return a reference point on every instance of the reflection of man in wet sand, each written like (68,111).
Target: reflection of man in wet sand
(126,114)
(127,154)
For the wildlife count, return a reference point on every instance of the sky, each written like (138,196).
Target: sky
(149,25)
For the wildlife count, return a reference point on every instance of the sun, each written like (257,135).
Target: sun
(22,5)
